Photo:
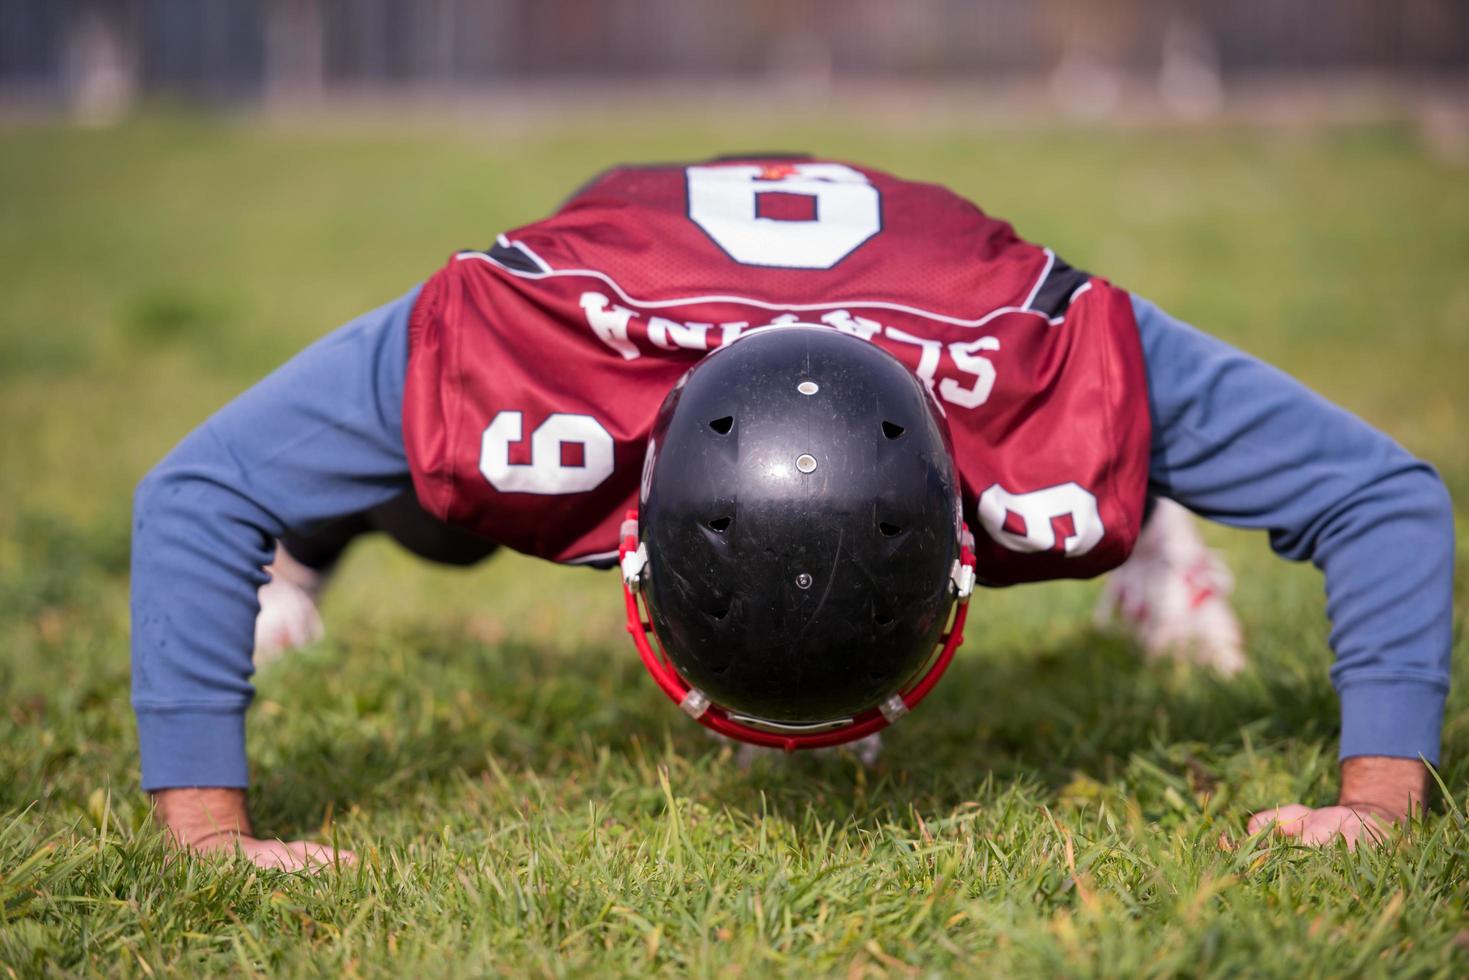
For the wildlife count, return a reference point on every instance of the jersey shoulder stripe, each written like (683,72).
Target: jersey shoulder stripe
(518,260)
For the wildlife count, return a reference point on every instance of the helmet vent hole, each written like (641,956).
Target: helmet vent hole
(882,618)
(892,430)
(723,425)
(717,614)
(889,530)
(720,524)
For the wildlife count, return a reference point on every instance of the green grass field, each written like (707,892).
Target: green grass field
(525,800)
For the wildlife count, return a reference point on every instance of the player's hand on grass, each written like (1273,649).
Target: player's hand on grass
(296,855)
(215,821)
(1376,792)
(1323,824)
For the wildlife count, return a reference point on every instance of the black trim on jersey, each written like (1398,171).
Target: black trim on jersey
(1054,296)
(600,563)
(512,257)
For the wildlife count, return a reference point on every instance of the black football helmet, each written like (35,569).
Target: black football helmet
(799,541)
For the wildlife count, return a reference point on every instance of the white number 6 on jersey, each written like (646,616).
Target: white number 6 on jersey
(843,207)
(1063,519)
(546,473)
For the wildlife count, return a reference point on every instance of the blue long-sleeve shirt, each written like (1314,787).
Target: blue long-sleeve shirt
(1233,440)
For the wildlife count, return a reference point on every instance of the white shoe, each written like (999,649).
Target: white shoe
(288,617)
(1172,595)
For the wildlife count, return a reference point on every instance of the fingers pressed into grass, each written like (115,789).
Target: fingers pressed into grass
(281,855)
(1320,826)
(1287,819)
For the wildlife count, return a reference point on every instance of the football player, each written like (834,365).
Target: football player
(803,406)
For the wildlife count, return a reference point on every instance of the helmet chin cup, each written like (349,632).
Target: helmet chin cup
(789,736)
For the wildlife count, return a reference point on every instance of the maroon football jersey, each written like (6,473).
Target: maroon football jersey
(537,367)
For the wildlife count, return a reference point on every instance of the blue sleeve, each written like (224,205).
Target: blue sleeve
(319,438)
(1242,443)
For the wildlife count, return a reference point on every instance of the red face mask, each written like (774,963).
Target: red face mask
(781,735)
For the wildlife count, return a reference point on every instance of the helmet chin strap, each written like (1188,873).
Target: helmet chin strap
(633,558)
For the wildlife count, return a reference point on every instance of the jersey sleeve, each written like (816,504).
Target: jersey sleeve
(1237,441)
(319,438)
(519,423)
(1055,461)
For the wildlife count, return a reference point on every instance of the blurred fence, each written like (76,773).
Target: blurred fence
(108,53)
